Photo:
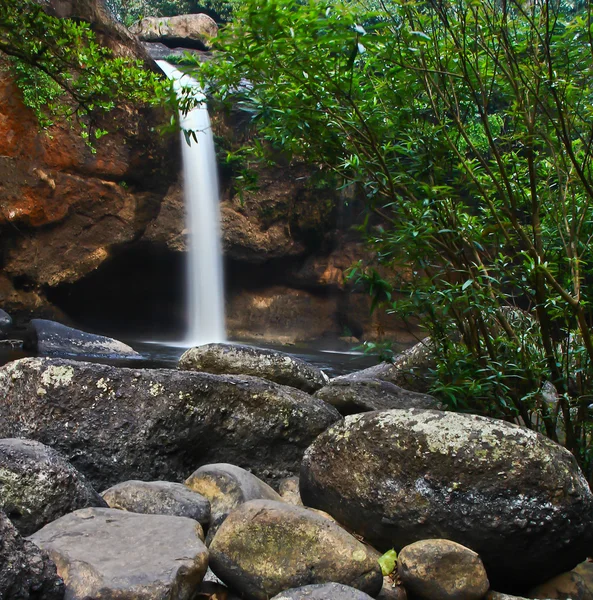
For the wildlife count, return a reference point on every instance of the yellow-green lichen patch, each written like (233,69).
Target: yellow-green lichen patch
(57,376)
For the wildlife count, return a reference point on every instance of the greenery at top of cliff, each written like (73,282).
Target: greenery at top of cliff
(466,124)
(63,72)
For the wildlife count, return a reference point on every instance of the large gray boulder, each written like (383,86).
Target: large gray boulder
(112,554)
(323,591)
(118,424)
(364,395)
(190,31)
(37,485)
(26,572)
(513,496)
(49,338)
(264,547)
(247,360)
(5,322)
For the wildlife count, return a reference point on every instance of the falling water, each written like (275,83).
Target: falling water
(204,278)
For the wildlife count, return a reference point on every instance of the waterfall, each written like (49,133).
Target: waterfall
(205,295)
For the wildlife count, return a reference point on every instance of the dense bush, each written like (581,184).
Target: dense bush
(467,123)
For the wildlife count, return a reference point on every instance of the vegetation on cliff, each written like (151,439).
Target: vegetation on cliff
(467,125)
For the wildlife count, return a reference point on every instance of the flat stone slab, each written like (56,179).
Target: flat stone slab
(106,553)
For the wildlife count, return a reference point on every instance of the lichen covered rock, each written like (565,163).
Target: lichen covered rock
(511,495)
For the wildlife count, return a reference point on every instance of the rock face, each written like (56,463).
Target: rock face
(49,338)
(442,569)
(363,395)
(25,571)
(37,485)
(158,498)
(226,487)
(105,553)
(247,360)
(118,424)
(264,547)
(323,591)
(191,31)
(511,495)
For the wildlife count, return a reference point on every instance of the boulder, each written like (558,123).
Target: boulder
(264,547)
(567,585)
(247,360)
(158,498)
(364,395)
(190,31)
(26,572)
(5,322)
(513,496)
(323,591)
(226,487)
(37,485)
(49,338)
(442,569)
(105,553)
(392,590)
(116,424)
(289,491)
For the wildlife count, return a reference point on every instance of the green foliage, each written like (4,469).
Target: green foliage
(466,123)
(388,561)
(63,72)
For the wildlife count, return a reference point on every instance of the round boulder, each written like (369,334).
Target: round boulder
(442,569)
(273,365)
(37,485)
(351,396)
(513,496)
(158,498)
(5,322)
(567,585)
(323,591)
(265,547)
(105,553)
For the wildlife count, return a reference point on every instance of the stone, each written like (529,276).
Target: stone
(563,587)
(190,31)
(5,322)
(158,498)
(264,547)
(392,590)
(37,485)
(26,572)
(323,591)
(226,487)
(107,553)
(49,338)
(363,395)
(491,595)
(289,491)
(442,569)
(513,496)
(116,424)
(273,365)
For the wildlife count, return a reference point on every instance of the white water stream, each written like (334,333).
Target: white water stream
(205,294)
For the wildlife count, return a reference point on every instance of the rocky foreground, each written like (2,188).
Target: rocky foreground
(234,486)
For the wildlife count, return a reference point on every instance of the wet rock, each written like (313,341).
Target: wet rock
(442,569)
(49,338)
(323,591)
(119,424)
(400,476)
(363,395)
(5,322)
(563,587)
(106,553)
(289,491)
(25,571)
(226,487)
(491,595)
(392,590)
(264,547)
(273,365)
(37,485)
(158,498)
(191,31)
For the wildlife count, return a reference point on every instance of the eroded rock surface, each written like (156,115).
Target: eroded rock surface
(511,495)
(323,591)
(26,572)
(264,547)
(191,31)
(38,485)
(158,498)
(118,424)
(106,553)
(273,365)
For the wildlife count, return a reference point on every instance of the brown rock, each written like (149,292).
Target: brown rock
(442,569)
(567,586)
(192,31)
(289,491)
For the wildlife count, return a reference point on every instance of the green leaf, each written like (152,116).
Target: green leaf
(388,561)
